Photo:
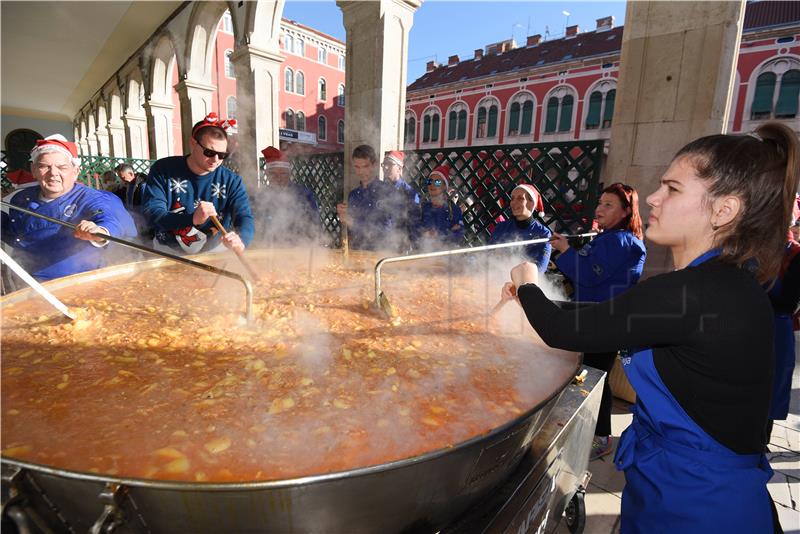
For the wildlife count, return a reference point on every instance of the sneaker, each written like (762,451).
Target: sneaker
(601,446)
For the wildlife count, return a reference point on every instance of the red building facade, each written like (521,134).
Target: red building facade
(565,89)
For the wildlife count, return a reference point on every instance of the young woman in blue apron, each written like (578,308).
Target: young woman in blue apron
(700,338)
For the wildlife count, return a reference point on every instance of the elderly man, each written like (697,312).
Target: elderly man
(285,211)
(526,205)
(48,250)
(184,192)
(369,212)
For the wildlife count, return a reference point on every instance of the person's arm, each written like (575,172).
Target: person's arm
(242,216)
(109,213)
(155,206)
(457,227)
(660,310)
(787,299)
(540,254)
(595,263)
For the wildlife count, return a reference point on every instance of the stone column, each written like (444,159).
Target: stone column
(159,128)
(258,78)
(136,144)
(195,99)
(375,79)
(116,137)
(677,70)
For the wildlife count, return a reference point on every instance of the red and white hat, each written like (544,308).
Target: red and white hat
(56,143)
(534,195)
(396,157)
(212,119)
(443,172)
(276,159)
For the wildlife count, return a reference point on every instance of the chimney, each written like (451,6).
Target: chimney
(452,60)
(572,31)
(534,40)
(430,66)
(606,23)
(478,53)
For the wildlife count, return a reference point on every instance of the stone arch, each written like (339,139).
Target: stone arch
(116,131)
(163,61)
(101,132)
(258,23)
(201,35)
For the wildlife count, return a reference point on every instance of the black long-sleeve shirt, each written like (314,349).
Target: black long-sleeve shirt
(711,331)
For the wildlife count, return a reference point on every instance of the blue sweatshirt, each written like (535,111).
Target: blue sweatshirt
(371,210)
(514,230)
(442,219)
(172,194)
(48,250)
(604,268)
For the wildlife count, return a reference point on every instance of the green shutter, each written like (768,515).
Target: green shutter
(527,117)
(492,122)
(462,124)
(451,126)
(435,128)
(565,122)
(762,101)
(426,128)
(786,108)
(552,115)
(481,132)
(412,130)
(608,113)
(593,115)
(513,119)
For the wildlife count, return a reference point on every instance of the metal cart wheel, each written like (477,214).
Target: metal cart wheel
(575,514)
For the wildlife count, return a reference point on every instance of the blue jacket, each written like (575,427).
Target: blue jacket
(406,209)
(513,230)
(285,215)
(48,250)
(442,220)
(372,210)
(604,268)
(170,198)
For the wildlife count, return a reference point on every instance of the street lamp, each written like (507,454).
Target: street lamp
(566,23)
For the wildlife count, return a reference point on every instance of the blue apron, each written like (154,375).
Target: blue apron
(678,479)
(784,363)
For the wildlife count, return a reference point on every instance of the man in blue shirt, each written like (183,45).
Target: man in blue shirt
(407,206)
(369,212)
(183,192)
(48,250)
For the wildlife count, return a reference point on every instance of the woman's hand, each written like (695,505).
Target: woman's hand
(524,273)
(508,292)
(559,242)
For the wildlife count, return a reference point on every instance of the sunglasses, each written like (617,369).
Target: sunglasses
(437,182)
(207,152)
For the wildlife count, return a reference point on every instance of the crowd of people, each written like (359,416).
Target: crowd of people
(708,348)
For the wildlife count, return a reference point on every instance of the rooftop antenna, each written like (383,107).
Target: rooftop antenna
(546,32)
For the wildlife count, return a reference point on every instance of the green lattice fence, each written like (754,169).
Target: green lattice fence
(93,167)
(482,178)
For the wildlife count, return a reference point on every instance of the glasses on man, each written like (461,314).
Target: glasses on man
(387,164)
(207,152)
(436,181)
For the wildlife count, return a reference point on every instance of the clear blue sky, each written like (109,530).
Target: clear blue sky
(443,28)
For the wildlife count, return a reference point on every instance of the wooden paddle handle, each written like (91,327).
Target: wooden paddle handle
(250,270)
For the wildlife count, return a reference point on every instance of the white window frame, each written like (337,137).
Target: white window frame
(228,63)
(487,103)
(322,135)
(322,55)
(603,86)
(227,22)
(778,66)
(457,106)
(560,91)
(296,84)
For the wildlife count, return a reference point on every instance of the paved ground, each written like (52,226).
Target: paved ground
(605,488)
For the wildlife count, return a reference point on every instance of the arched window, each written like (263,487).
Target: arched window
(228,65)
(486,123)
(340,132)
(558,115)
(435,128)
(340,97)
(520,114)
(299,47)
(341,62)
(300,83)
(430,125)
(288,84)
(777,90)
(322,128)
(288,117)
(410,129)
(322,90)
(231,107)
(601,106)
(457,122)
(227,22)
(300,120)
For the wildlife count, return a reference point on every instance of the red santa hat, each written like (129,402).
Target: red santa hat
(396,157)
(443,172)
(56,143)
(276,159)
(212,119)
(535,196)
